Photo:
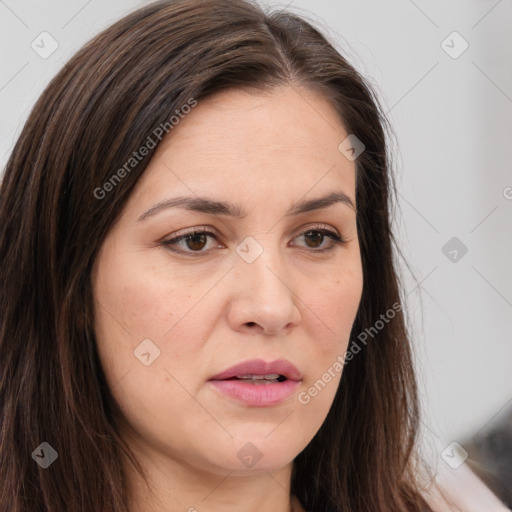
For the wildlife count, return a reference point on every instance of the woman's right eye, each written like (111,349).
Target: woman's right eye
(195,240)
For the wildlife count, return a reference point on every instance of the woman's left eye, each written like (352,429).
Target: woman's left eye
(196,240)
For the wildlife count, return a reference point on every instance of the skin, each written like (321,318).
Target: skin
(206,313)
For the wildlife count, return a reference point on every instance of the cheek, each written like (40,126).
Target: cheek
(335,308)
(138,313)
(137,300)
(139,310)
(335,305)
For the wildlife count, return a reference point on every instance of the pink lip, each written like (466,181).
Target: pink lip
(261,367)
(258,395)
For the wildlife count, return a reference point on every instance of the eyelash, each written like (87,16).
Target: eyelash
(203,231)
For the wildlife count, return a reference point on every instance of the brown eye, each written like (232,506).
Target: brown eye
(196,242)
(315,238)
(192,242)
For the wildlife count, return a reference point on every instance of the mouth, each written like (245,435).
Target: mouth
(259,370)
(259,379)
(257,383)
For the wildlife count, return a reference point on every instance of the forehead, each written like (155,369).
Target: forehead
(252,121)
(286,139)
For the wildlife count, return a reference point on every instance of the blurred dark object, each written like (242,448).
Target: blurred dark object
(490,455)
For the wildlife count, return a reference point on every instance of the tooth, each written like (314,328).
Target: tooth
(270,376)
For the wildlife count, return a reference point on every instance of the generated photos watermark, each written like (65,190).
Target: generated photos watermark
(149,144)
(304,397)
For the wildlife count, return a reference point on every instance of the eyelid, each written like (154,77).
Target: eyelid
(330,232)
(318,227)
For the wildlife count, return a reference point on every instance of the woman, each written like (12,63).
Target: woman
(200,306)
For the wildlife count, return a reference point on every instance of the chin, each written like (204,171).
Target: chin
(260,452)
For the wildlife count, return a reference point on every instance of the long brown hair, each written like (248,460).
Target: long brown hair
(100,109)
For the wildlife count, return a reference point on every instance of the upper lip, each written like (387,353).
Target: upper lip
(261,367)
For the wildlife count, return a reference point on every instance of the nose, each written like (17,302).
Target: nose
(263,298)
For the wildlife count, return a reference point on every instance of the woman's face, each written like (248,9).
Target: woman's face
(266,285)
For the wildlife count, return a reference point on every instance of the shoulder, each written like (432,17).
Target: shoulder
(461,490)
(457,490)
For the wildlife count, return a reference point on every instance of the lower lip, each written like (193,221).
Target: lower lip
(256,395)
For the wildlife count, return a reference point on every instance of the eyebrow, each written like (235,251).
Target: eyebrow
(212,207)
